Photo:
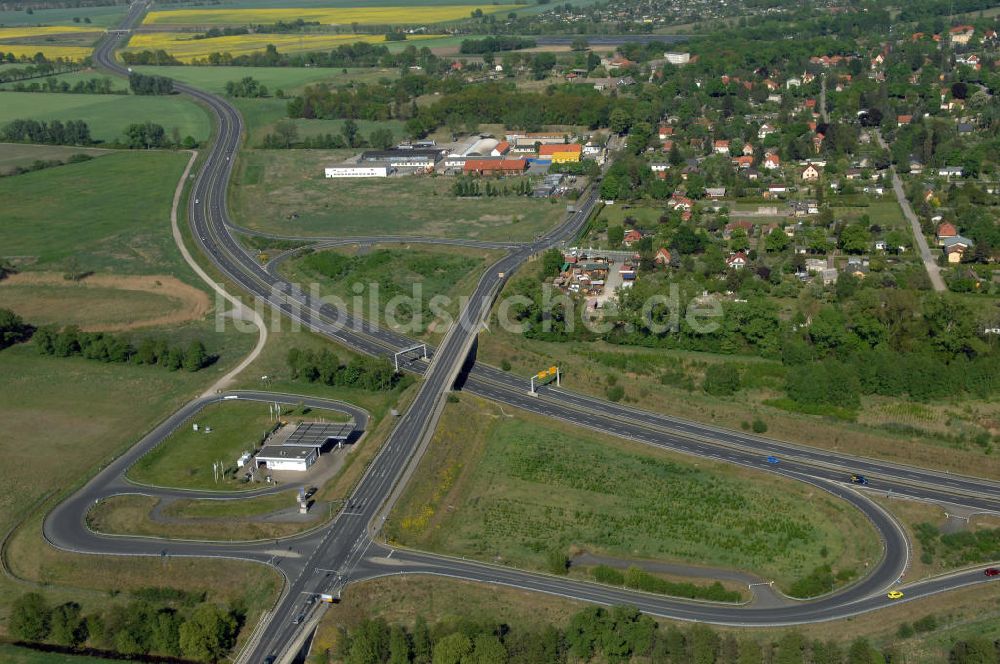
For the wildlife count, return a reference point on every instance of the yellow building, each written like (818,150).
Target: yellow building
(561,153)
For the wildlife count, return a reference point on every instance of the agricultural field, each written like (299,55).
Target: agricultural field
(43,32)
(184,459)
(400,15)
(13,155)
(288,79)
(97,223)
(284,191)
(412,276)
(108,115)
(71,78)
(185,48)
(15,655)
(100,17)
(51,52)
(262,115)
(513,488)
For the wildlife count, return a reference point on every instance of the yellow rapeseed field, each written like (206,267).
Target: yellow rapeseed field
(44,31)
(325,16)
(184,48)
(74,53)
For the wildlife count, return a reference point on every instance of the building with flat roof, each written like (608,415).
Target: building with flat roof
(371,170)
(404,158)
(298,447)
(287,457)
(495,166)
(561,153)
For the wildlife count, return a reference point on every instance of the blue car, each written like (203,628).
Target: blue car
(859,479)
(772,459)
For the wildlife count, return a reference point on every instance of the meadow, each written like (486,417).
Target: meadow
(514,488)
(324,15)
(108,115)
(262,115)
(18,154)
(288,79)
(395,272)
(72,78)
(100,17)
(185,458)
(111,214)
(284,191)
(185,48)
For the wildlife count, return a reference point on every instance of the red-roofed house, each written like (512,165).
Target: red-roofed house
(961,34)
(631,237)
(502,148)
(903,120)
(737,261)
(665,131)
(561,153)
(743,162)
(772,162)
(946,231)
(662,256)
(721,147)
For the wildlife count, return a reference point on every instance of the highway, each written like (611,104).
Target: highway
(346,550)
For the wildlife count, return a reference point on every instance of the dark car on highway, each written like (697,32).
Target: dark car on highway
(992,571)
(859,479)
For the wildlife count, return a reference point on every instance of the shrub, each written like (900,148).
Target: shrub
(608,575)
(557,562)
(817,582)
(759,425)
(722,380)
(926,624)
(615,393)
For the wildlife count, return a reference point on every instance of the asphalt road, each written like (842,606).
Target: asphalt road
(345,551)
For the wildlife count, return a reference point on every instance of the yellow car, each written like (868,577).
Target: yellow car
(894,594)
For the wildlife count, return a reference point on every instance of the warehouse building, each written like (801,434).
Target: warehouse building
(358,171)
(559,154)
(421,158)
(495,166)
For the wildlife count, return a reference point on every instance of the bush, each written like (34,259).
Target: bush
(817,582)
(557,562)
(722,380)
(608,575)
(759,425)
(615,393)
(505,364)
(30,618)
(926,624)
(905,631)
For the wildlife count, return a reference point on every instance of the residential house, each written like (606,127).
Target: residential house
(810,173)
(721,147)
(903,120)
(501,149)
(665,132)
(743,162)
(946,231)
(772,162)
(715,193)
(765,130)
(950,171)
(961,34)
(662,256)
(955,248)
(632,236)
(737,261)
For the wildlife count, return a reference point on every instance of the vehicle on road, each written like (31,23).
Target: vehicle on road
(772,459)
(328,599)
(298,619)
(992,571)
(894,594)
(270,659)
(859,479)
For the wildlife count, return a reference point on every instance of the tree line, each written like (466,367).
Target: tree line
(9,75)
(616,635)
(42,164)
(91,86)
(155,622)
(323,366)
(54,132)
(247,86)
(144,84)
(70,341)
(494,44)
(469,186)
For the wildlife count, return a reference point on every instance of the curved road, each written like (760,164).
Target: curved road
(345,551)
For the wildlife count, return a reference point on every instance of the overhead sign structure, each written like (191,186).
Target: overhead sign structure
(545,376)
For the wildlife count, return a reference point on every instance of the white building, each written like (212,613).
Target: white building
(357,171)
(677,58)
(287,457)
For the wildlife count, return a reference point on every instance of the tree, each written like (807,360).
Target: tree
(552,261)
(381,138)
(452,649)
(208,634)
(855,239)
(739,240)
(350,132)
(67,625)
(579,44)
(399,646)
(616,235)
(287,132)
(619,121)
(13,329)
(30,618)
(196,357)
(777,240)
(486,649)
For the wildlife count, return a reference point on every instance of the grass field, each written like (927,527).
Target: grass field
(411,276)
(289,79)
(131,515)
(100,17)
(184,460)
(275,184)
(329,16)
(261,116)
(16,154)
(14,655)
(182,46)
(108,115)
(42,32)
(98,222)
(513,489)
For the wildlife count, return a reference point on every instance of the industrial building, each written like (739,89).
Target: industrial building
(297,447)
(560,153)
(358,171)
(424,158)
(495,166)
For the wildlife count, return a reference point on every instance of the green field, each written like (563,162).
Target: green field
(261,115)
(284,191)
(17,154)
(100,17)
(289,79)
(14,655)
(108,115)
(513,490)
(414,274)
(184,460)
(111,214)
